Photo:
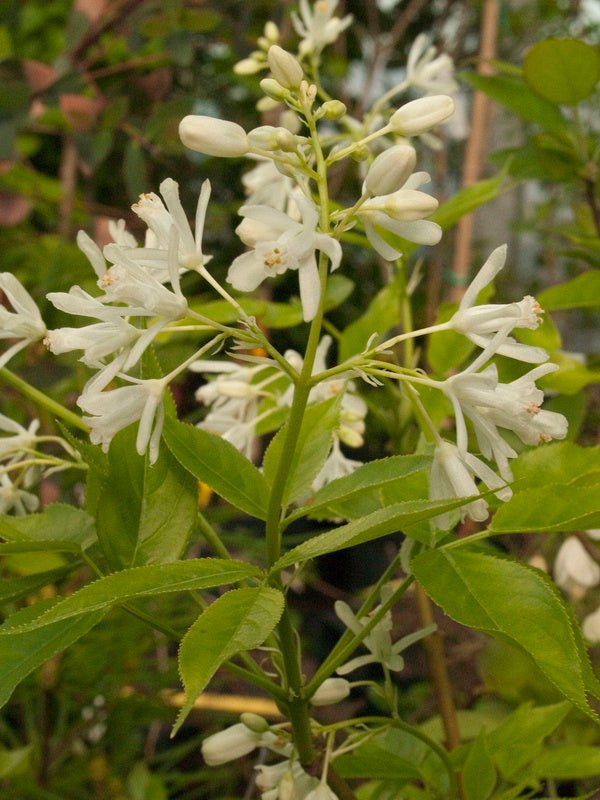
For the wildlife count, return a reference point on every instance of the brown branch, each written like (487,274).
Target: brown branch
(475,148)
(68,182)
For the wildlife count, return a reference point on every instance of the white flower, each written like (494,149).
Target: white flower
(591,626)
(401,213)
(13,498)
(161,217)
(24,322)
(317,26)
(284,67)
(428,71)
(114,410)
(78,302)
(280,243)
(264,184)
(337,465)
(390,170)
(238,740)
(20,438)
(481,323)
(575,570)
(513,406)
(379,640)
(419,116)
(452,475)
(321,792)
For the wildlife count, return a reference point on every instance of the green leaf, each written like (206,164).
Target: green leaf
(23,651)
(134,170)
(312,448)
(581,292)
(512,602)
(15,762)
(380,523)
(57,522)
(518,97)
(555,463)
(519,738)
(145,513)
(370,484)
(468,199)
(569,762)
(217,463)
(235,622)
(390,755)
(479,773)
(549,508)
(181,576)
(12,589)
(572,376)
(562,70)
(382,314)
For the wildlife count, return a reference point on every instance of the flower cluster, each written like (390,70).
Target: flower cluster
(575,572)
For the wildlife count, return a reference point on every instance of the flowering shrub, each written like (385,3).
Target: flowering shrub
(143,465)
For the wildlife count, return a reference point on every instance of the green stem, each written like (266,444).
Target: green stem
(211,536)
(41,399)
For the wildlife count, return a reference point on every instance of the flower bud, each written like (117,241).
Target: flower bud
(285,68)
(271,31)
(408,205)
(322,792)
(360,153)
(420,115)
(273,89)
(591,626)
(255,722)
(333,109)
(230,744)
(332,690)
(214,137)
(267,137)
(390,170)
(289,119)
(248,66)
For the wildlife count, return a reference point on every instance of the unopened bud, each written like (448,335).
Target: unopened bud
(421,115)
(389,171)
(321,792)
(289,119)
(360,153)
(273,89)
(267,137)
(214,137)
(229,745)
(271,31)
(408,205)
(285,68)
(255,722)
(332,690)
(333,109)
(248,66)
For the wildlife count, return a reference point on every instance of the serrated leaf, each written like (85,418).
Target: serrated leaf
(346,496)
(581,292)
(513,602)
(554,463)
(380,523)
(181,576)
(58,521)
(568,762)
(237,621)
(312,448)
(562,70)
(518,97)
(217,463)
(550,509)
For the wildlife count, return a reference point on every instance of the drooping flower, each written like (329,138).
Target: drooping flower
(317,26)
(452,475)
(480,323)
(575,570)
(401,213)
(280,243)
(24,322)
(112,411)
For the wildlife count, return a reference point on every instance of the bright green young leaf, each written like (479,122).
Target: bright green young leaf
(479,773)
(23,651)
(217,463)
(57,522)
(312,448)
(572,376)
(568,762)
(549,509)
(519,739)
(391,519)
(516,95)
(237,621)
(145,513)
(581,292)
(375,481)
(554,463)
(180,576)
(470,198)
(562,70)
(15,762)
(512,602)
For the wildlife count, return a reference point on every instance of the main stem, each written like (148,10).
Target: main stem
(298,704)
